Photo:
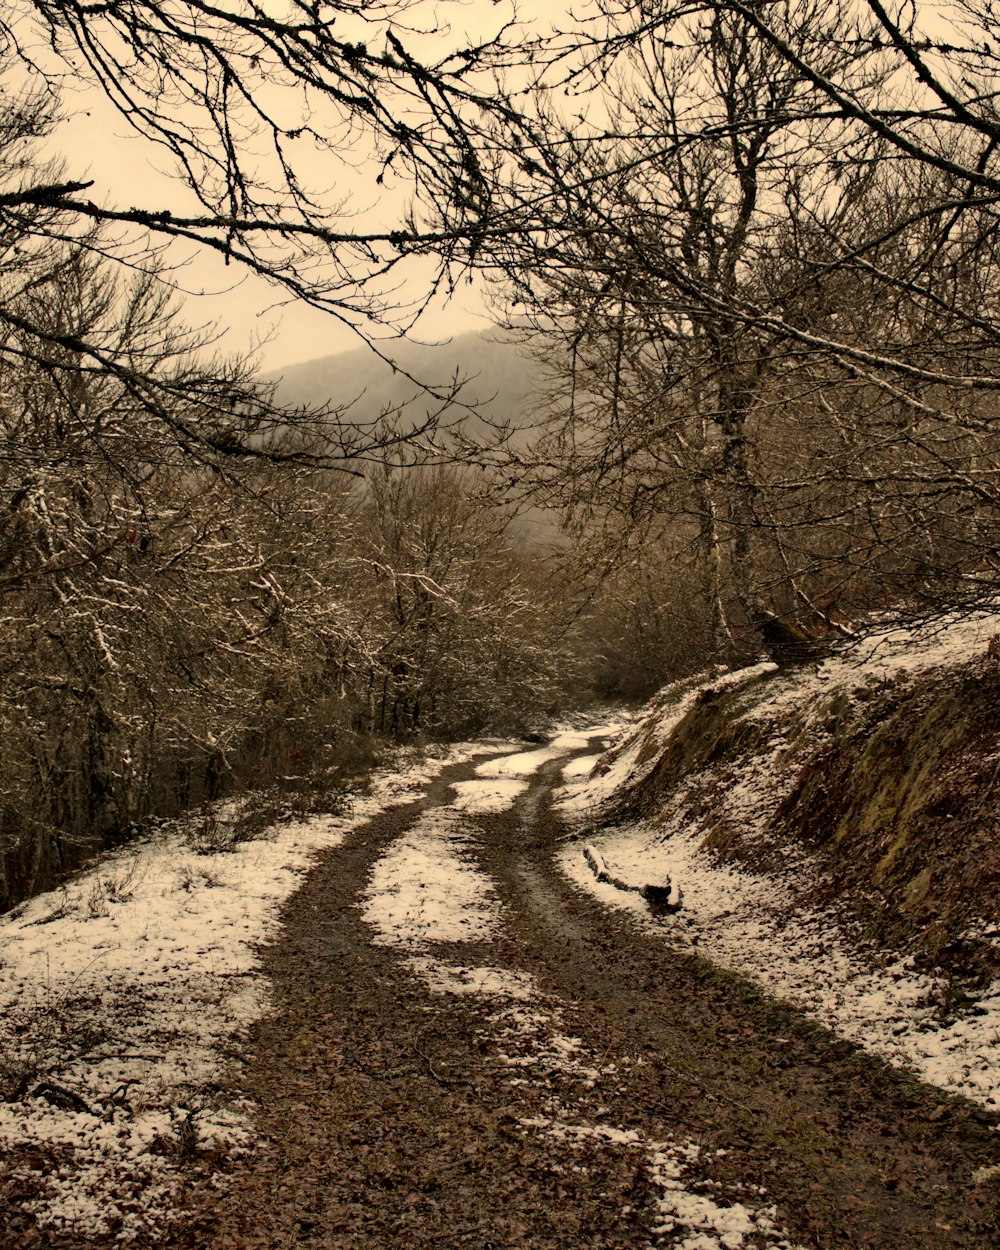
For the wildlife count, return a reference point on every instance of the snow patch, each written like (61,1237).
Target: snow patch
(682,1210)
(425,889)
(523,764)
(571,741)
(746,923)
(126,991)
(755,925)
(486,982)
(582,766)
(488,795)
(532,1038)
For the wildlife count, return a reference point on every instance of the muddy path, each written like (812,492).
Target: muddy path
(566,1080)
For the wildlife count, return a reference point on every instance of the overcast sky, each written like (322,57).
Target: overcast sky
(246,308)
(127,172)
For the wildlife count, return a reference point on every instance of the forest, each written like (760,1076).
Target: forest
(750,247)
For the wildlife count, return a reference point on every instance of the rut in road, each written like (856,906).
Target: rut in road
(571,1081)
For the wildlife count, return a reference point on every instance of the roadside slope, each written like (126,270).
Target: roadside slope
(832,828)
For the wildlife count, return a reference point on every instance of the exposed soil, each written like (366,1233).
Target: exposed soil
(887,786)
(389,1119)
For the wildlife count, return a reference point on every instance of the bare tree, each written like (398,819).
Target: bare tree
(256,113)
(162,599)
(776,321)
(898,85)
(640,279)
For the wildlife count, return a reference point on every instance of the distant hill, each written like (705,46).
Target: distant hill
(500,382)
(501,386)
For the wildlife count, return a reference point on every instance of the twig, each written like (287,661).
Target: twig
(44,1088)
(441,1080)
(124,1054)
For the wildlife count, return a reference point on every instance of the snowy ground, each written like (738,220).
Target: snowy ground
(751,925)
(123,995)
(425,890)
(744,923)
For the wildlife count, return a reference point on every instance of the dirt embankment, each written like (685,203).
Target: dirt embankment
(886,782)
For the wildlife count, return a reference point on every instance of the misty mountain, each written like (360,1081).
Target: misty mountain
(500,386)
(499,383)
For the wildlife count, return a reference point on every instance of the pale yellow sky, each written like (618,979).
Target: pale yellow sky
(128,172)
(97,142)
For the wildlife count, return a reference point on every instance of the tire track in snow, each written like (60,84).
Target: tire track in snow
(427,890)
(839,1139)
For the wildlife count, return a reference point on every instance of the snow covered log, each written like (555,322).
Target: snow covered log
(665,897)
(596,863)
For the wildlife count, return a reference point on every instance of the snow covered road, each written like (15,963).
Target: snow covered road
(426,890)
(447,1041)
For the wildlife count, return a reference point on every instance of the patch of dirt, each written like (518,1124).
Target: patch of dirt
(386,1121)
(900,806)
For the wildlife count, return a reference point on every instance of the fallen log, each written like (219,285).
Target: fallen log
(597,865)
(662,898)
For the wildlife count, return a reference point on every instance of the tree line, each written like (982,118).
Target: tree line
(754,243)
(178,622)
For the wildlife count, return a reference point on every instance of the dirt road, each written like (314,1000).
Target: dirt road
(557,1078)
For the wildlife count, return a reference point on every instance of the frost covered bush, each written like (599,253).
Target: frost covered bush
(175,630)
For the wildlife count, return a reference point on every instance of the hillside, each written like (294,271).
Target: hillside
(499,382)
(499,390)
(866,779)
(832,830)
